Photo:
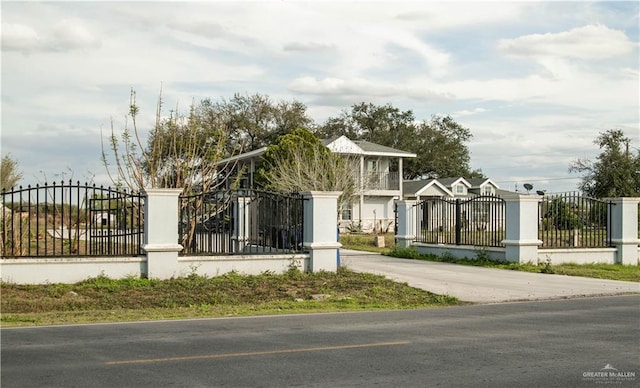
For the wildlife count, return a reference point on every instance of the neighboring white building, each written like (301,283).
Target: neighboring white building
(457,187)
(379,178)
(437,196)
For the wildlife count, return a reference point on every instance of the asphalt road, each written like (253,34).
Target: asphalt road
(561,343)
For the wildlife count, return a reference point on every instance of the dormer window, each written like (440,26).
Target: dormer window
(488,190)
(459,189)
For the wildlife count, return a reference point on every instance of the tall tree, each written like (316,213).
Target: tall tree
(439,143)
(255,121)
(9,174)
(616,170)
(384,125)
(440,146)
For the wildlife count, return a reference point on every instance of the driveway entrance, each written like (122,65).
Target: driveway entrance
(482,285)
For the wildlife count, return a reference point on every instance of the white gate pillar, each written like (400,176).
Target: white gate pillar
(624,229)
(161,232)
(521,229)
(319,229)
(406,223)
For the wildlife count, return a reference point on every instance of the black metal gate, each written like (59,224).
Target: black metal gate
(240,221)
(478,221)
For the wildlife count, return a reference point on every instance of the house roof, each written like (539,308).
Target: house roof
(449,182)
(479,182)
(341,145)
(417,188)
(344,145)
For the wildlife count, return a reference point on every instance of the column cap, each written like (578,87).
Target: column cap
(321,194)
(163,191)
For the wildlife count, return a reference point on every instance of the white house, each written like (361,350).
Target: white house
(379,178)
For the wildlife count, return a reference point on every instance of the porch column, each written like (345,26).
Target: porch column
(400,175)
(319,229)
(624,229)
(161,232)
(406,223)
(521,233)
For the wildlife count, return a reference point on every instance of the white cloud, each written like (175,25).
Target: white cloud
(19,37)
(362,88)
(589,42)
(66,35)
(71,34)
(468,112)
(308,46)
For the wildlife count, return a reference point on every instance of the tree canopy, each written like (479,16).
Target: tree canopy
(255,121)
(616,170)
(440,143)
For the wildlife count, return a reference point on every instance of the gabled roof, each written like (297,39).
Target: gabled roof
(344,145)
(480,182)
(419,187)
(449,182)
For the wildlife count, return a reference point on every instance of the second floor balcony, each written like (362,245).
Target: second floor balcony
(379,181)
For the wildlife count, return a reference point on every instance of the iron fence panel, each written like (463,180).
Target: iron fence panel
(571,220)
(71,219)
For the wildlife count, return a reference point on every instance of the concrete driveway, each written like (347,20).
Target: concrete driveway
(482,285)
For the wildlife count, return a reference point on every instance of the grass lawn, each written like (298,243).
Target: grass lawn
(366,242)
(107,300)
(629,273)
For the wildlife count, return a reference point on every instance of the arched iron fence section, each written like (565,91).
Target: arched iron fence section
(240,221)
(478,221)
(71,219)
(571,220)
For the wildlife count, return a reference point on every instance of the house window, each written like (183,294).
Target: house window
(372,165)
(345,214)
(487,190)
(459,189)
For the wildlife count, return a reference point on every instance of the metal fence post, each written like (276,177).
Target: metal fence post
(458,221)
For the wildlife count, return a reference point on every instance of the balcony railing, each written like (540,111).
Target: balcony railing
(379,181)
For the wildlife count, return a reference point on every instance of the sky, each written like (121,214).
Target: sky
(535,82)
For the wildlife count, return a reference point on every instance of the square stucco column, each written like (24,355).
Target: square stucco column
(161,232)
(320,222)
(624,229)
(406,223)
(521,237)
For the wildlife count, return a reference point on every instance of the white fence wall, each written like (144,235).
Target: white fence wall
(521,241)
(161,247)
